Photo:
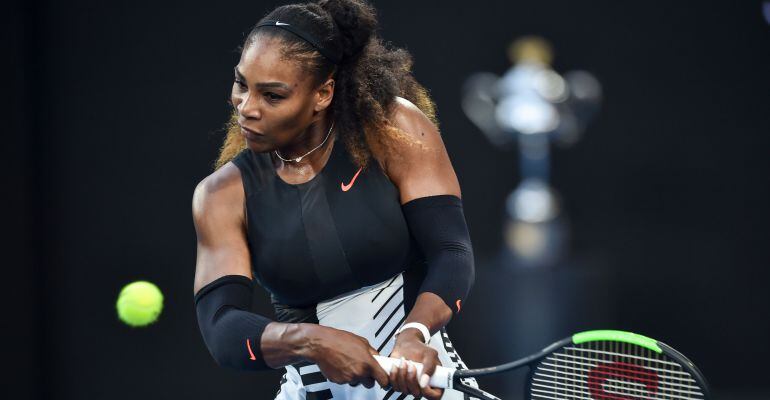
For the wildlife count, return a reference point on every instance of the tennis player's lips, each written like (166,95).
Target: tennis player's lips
(249,134)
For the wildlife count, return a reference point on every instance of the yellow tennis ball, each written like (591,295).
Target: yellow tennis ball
(139,303)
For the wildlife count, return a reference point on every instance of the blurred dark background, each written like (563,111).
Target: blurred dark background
(115,112)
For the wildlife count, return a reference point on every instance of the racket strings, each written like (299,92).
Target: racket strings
(610,370)
(577,375)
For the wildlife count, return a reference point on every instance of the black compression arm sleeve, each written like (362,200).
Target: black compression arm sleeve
(438,225)
(232,333)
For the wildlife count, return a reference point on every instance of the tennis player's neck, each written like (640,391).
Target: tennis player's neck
(296,173)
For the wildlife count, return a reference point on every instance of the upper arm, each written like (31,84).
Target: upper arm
(219,217)
(421,168)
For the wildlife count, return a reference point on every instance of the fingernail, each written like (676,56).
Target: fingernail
(424,380)
(410,367)
(401,362)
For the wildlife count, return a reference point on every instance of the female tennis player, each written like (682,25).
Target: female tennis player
(334,192)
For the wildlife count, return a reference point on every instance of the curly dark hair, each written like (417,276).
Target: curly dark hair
(367,80)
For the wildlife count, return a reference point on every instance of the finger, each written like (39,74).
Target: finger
(393,374)
(401,376)
(379,374)
(367,382)
(432,393)
(429,363)
(412,381)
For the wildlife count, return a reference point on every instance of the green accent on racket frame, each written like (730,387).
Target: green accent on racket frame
(617,336)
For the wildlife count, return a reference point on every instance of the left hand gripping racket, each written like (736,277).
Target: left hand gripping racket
(593,365)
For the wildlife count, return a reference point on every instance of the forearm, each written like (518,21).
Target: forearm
(438,225)
(240,339)
(232,333)
(284,344)
(429,310)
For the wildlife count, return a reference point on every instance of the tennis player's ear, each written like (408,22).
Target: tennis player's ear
(324,95)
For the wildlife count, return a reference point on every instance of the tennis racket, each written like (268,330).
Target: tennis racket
(593,365)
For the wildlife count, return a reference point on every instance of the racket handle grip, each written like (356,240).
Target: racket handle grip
(441,378)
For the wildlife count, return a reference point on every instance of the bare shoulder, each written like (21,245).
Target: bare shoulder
(220,193)
(416,137)
(412,121)
(418,163)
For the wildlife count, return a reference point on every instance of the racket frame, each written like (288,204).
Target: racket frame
(531,360)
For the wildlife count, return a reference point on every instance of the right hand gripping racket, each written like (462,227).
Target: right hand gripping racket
(593,365)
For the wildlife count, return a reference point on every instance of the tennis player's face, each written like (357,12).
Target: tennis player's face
(275,99)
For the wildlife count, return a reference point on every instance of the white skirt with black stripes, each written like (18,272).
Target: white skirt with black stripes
(375,313)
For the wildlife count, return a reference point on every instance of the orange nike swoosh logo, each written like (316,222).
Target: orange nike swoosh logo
(347,187)
(458,305)
(251,353)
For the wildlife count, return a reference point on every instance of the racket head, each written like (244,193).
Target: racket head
(614,365)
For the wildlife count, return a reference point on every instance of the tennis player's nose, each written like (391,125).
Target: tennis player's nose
(249,106)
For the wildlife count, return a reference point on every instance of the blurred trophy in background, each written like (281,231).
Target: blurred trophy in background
(549,291)
(530,107)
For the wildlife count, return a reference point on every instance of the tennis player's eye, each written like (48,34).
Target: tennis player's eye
(272,97)
(240,83)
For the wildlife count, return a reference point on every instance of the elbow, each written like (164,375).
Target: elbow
(451,274)
(220,356)
(227,347)
(459,254)
(228,359)
(471,277)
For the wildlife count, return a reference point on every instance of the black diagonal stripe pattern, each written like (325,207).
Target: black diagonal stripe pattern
(459,364)
(302,364)
(398,307)
(391,395)
(280,386)
(389,283)
(312,377)
(325,394)
(387,301)
(387,338)
(451,352)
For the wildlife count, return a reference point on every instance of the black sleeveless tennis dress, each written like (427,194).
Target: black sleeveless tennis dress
(335,251)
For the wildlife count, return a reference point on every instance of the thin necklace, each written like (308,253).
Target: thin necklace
(298,159)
